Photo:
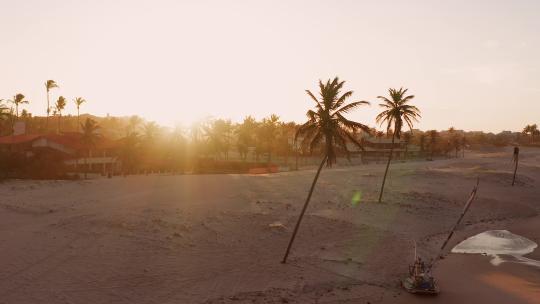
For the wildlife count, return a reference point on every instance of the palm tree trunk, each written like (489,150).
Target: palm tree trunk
(515,169)
(387,166)
(304,209)
(78,121)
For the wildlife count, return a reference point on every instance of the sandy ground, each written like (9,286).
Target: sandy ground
(209,238)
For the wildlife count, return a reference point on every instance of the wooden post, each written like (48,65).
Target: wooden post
(516,161)
(467,205)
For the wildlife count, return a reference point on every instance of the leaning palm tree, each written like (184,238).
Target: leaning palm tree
(78,102)
(327,127)
(59,107)
(18,100)
(396,112)
(89,138)
(49,85)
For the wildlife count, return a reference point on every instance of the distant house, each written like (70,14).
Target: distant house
(379,148)
(67,148)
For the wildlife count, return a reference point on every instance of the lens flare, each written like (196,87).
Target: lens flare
(356,198)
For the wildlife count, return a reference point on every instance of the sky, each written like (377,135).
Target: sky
(474,65)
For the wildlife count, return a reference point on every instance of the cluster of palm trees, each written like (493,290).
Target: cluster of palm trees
(57,109)
(328,128)
(531,130)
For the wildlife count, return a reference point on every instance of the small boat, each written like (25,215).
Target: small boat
(420,280)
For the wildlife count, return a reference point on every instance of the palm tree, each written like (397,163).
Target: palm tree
(151,130)
(244,135)
(134,124)
(328,127)
(454,140)
(397,112)
(267,134)
(379,135)
(129,152)
(49,85)
(18,100)
(89,138)
(78,102)
(534,131)
(433,136)
(422,141)
(407,136)
(59,107)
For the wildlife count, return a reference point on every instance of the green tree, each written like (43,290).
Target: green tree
(327,126)
(49,85)
(245,136)
(396,112)
(266,135)
(78,103)
(134,124)
(218,134)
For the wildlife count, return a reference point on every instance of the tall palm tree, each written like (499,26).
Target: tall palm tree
(59,107)
(18,100)
(396,112)
(89,138)
(328,127)
(78,102)
(49,85)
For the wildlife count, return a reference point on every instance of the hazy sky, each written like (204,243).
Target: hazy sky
(471,64)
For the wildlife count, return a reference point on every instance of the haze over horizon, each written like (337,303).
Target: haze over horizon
(474,66)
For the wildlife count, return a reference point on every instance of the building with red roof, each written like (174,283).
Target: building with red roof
(102,157)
